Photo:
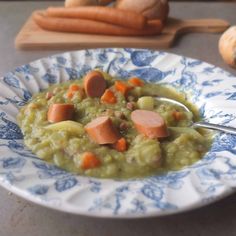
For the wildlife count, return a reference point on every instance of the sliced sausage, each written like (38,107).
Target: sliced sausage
(59,112)
(149,123)
(94,84)
(102,131)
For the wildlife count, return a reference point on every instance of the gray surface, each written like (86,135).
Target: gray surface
(21,218)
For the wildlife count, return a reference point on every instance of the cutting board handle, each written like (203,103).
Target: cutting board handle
(203,25)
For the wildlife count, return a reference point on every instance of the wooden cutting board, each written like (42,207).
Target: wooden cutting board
(31,36)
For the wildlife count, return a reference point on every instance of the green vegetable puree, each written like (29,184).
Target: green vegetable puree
(64,143)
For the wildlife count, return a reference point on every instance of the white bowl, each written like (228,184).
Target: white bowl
(210,88)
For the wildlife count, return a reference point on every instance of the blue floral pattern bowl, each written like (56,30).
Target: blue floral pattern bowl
(212,89)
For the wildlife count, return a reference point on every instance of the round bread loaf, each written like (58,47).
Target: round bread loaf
(152,9)
(227,46)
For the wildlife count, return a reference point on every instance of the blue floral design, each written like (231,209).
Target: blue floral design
(13,178)
(13,162)
(48,171)
(38,189)
(232,96)
(143,57)
(27,70)
(212,94)
(8,129)
(64,184)
(18,148)
(150,74)
(61,60)
(139,207)
(211,83)
(49,78)
(95,186)
(11,80)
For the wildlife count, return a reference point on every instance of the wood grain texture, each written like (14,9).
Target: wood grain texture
(31,36)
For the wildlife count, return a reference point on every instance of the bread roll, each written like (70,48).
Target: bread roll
(227,46)
(77,3)
(152,9)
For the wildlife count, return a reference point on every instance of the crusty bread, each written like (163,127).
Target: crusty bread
(152,9)
(227,46)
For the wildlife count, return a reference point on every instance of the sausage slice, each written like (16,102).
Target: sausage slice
(59,112)
(94,84)
(102,131)
(149,123)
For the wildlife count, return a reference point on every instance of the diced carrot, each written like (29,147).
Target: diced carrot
(69,94)
(122,87)
(120,145)
(74,87)
(178,115)
(136,81)
(89,161)
(108,97)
